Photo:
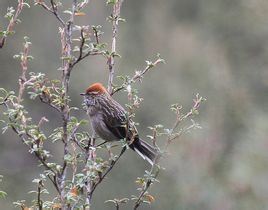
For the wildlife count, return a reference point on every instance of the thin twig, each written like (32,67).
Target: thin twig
(94,52)
(181,118)
(73,138)
(138,75)
(55,12)
(82,43)
(50,104)
(106,172)
(147,185)
(53,9)
(91,156)
(96,35)
(39,201)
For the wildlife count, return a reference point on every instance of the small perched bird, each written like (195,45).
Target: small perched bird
(109,121)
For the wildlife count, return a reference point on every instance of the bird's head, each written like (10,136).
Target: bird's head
(94,92)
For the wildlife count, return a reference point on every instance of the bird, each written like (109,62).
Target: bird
(111,123)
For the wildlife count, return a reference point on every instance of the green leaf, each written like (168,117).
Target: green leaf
(3,194)
(111,1)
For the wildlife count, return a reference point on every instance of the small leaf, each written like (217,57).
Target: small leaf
(124,200)
(111,1)
(79,14)
(67,12)
(149,198)
(3,194)
(122,19)
(26,4)
(36,180)
(149,63)
(110,201)
(140,181)
(33,191)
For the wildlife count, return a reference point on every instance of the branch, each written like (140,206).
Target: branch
(12,22)
(171,136)
(82,43)
(93,187)
(37,154)
(96,35)
(66,41)
(73,138)
(53,9)
(24,67)
(148,183)
(50,104)
(39,201)
(115,19)
(81,46)
(139,74)
(182,117)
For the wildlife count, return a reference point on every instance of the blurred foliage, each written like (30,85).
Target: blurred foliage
(218,48)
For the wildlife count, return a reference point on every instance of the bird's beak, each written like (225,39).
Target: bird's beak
(82,94)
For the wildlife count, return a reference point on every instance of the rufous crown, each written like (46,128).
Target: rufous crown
(96,87)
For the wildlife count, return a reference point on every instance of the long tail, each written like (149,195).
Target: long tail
(145,150)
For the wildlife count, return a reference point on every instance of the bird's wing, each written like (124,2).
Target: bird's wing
(117,124)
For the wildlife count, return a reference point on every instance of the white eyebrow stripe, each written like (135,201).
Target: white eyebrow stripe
(94,92)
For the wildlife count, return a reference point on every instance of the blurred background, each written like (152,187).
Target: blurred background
(217,48)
